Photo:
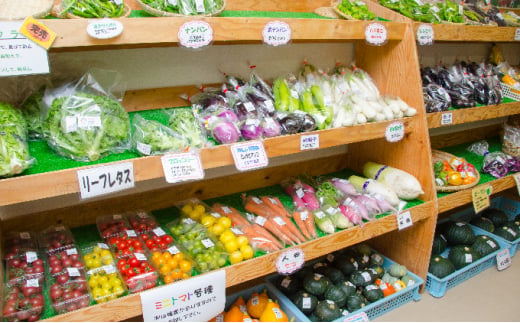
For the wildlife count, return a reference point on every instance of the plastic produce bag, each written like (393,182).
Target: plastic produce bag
(32,112)
(14,150)
(436,98)
(150,137)
(84,121)
(495,163)
(184,122)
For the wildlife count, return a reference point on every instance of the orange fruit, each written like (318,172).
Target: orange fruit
(178,256)
(185,266)
(165,270)
(173,263)
(168,279)
(273,313)
(233,315)
(241,304)
(256,304)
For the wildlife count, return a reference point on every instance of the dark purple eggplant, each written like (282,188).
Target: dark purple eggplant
(308,123)
(263,104)
(290,124)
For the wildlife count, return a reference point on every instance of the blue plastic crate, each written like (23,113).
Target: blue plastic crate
(437,287)
(289,308)
(510,207)
(372,310)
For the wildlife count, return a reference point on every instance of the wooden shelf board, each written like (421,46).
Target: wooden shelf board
(54,184)
(454,200)
(130,306)
(451,33)
(467,115)
(162,31)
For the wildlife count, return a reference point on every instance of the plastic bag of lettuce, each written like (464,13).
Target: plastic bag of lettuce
(14,151)
(85,121)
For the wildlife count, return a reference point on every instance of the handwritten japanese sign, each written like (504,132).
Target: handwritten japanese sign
(503,259)
(276,33)
(375,34)
(425,34)
(195,34)
(446,118)
(309,142)
(394,131)
(404,220)
(249,155)
(19,55)
(104,28)
(480,197)
(105,179)
(38,32)
(290,261)
(182,167)
(197,299)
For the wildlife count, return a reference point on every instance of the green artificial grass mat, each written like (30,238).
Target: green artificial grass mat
(248,14)
(474,159)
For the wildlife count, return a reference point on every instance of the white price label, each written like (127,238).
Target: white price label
(308,142)
(72,251)
(290,261)
(276,33)
(376,34)
(306,303)
(249,155)
(404,220)
(32,283)
(446,118)
(425,34)
(73,272)
(173,250)
(31,256)
(260,220)
(195,34)
(109,269)
(107,179)
(279,220)
(304,215)
(394,131)
(131,233)
(19,55)
(236,231)
(197,299)
(159,232)
(140,256)
(207,243)
(182,167)
(102,245)
(104,28)
(517,34)
(117,217)
(89,122)
(503,259)
(143,148)
(320,214)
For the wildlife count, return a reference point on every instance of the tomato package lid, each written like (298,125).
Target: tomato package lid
(114,225)
(16,243)
(124,247)
(193,208)
(100,277)
(65,261)
(23,301)
(173,264)
(55,239)
(157,239)
(27,266)
(68,292)
(142,221)
(97,254)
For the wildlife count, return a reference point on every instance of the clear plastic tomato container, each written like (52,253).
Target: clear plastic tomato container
(55,239)
(110,226)
(193,208)
(96,255)
(138,272)
(17,243)
(142,221)
(26,266)
(123,247)
(68,291)
(106,283)
(67,260)
(173,264)
(157,239)
(23,301)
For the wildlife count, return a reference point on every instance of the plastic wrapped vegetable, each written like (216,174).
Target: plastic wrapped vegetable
(14,152)
(225,132)
(495,163)
(150,137)
(184,122)
(436,98)
(94,8)
(31,110)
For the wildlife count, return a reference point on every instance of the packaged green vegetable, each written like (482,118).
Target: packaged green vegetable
(14,151)
(31,110)
(150,137)
(184,122)
(93,8)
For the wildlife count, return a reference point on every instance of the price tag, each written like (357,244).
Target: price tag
(117,217)
(109,269)
(503,259)
(195,34)
(276,33)
(236,231)
(102,245)
(19,55)
(31,256)
(104,180)
(197,299)
(360,317)
(140,256)
(516,176)
(375,34)
(249,155)
(425,35)
(309,142)
(394,131)
(480,196)
(32,283)
(182,167)
(71,251)
(207,243)
(159,232)
(446,118)
(404,220)
(290,261)
(131,233)
(73,272)
(104,28)
(38,32)
(173,250)
(517,34)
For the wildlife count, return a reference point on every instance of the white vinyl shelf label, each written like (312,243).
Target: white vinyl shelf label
(107,179)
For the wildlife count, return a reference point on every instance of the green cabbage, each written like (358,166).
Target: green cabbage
(87,127)
(14,151)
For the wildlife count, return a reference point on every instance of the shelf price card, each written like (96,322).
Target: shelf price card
(290,261)
(276,33)
(376,34)
(197,299)
(425,34)
(249,155)
(18,54)
(195,34)
(182,167)
(480,197)
(107,179)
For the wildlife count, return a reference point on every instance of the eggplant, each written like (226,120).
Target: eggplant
(308,123)
(290,124)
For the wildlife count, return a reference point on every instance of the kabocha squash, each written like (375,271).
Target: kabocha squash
(348,288)
(289,284)
(373,293)
(506,232)
(385,287)
(315,284)
(483,223)
(346,265)
(408,280)
(305,302)
(361,278)
(459,233)
(334,274)
(461,256)
(355,302)
(515,225)
(439,244)
(485,245)
(440,267)
(336,294)
(327,311)
(497,216)
(397,270)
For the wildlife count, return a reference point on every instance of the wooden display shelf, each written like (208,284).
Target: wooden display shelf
(162,31)
(465,33)
(59,183)
(454,200)
(130,306)
(467,115)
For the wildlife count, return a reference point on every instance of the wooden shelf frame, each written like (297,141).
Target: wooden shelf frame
(470,33)
(130,306)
